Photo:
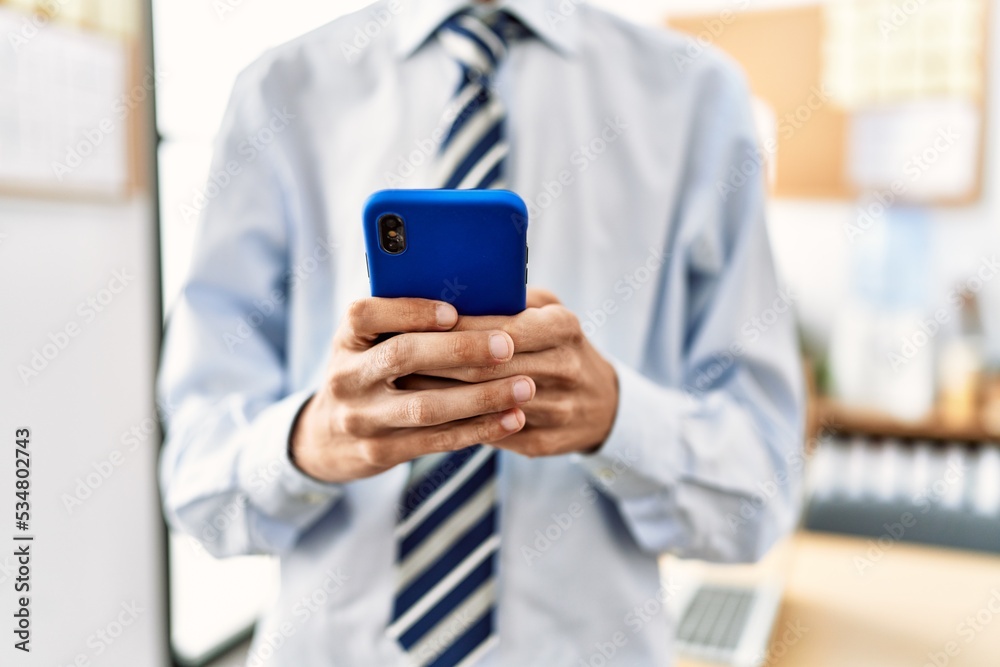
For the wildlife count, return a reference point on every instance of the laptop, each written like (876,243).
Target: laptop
(725,614)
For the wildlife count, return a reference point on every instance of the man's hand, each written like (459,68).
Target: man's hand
(360,423)
(577,397)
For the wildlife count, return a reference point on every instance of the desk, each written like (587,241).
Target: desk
(910,603)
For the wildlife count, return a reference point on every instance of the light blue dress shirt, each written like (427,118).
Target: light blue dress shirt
(634,149)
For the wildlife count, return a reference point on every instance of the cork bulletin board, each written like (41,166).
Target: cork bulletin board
(872,71)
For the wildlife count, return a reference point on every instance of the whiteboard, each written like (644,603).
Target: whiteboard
(919,152)
(64,110)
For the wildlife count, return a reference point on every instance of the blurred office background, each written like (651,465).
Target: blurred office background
(874,121)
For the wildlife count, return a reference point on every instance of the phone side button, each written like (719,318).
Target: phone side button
(525,275)
(367,270)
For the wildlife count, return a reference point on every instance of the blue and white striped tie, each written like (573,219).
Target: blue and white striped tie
(447,546)
(473,151)
(447,535)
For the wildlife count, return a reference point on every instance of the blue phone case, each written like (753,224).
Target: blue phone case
(466,247)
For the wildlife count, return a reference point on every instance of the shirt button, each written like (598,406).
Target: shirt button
(314,498)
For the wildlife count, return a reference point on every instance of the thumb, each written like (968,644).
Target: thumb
(538,297)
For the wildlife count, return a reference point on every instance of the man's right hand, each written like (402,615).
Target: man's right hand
(359,423)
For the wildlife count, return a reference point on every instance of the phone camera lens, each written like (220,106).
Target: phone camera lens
(392,233)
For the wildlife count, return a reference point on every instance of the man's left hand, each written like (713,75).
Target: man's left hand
(577,389)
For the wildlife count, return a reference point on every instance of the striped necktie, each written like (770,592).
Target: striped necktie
(473,152)
(447,536)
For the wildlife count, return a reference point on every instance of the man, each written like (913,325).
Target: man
(648,400)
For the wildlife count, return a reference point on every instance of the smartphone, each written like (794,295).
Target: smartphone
(466,247)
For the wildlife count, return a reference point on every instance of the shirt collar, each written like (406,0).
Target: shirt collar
(551,20)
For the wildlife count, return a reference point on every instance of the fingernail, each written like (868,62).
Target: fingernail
(499,347)
(510,422)
(522,391)
(446,315)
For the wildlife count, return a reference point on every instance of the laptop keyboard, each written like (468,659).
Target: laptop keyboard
(714,621)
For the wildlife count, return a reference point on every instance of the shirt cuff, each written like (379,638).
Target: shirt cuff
(275,486)
(642,455)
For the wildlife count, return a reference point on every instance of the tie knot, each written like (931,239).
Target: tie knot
(479,44)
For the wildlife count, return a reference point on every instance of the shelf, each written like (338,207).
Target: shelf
(833,416)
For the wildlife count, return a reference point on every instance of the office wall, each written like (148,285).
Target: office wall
(100,552)
(79,296)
